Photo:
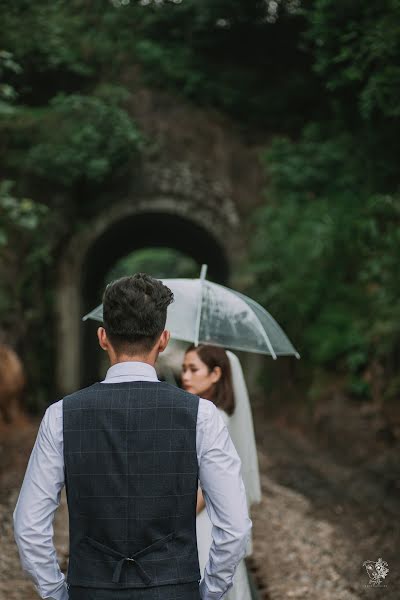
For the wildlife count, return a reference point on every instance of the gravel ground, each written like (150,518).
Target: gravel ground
(318,521)
(15,448)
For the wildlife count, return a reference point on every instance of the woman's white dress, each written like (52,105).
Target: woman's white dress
(241,429)
(241,588)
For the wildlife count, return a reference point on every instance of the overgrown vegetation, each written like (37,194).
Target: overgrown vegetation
(325,258)
(320,78)
(327,243)
(25,294)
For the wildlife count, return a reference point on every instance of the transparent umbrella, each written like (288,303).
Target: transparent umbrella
(204,312)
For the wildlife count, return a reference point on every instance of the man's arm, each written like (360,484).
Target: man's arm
(225,498)
(37,502)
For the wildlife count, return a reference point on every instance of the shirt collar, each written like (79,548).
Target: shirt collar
(131,368)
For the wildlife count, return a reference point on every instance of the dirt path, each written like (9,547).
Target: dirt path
(317,523)
(15,446)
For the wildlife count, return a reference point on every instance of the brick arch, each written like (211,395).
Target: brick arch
(207,234)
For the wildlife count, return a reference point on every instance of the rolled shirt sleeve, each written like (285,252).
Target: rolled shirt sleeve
(38,500)
(226,504)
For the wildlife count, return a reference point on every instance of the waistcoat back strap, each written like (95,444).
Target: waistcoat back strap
(118,568)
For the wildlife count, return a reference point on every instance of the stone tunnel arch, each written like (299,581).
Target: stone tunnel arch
(207,236)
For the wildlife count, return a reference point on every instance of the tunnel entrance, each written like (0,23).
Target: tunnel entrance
(144,231)
(85,272)
(152,230)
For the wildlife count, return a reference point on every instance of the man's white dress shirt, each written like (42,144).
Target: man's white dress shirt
(219,476)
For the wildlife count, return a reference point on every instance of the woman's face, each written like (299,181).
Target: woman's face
(196,377)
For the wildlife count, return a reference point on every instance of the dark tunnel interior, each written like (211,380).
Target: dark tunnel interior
(122,238)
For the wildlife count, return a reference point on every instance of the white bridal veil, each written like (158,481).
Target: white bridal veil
(241,430)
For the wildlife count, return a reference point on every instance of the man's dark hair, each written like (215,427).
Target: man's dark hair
(135,312)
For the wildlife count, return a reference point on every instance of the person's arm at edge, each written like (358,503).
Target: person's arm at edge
(38,500)
(200,502)
(225,499)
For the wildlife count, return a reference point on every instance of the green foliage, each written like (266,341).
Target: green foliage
(197,49)
(25,294)
(325,253)
(7,92)
(173,63)
(158,262)
(23,244)
(380,235)
(46,36)
(83,138)
(357,47)
(17,214)
(314,165)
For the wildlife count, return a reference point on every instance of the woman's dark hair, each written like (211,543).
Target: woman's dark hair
(222,391)
(135,312)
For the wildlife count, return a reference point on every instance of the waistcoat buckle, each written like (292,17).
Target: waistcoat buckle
(118,568)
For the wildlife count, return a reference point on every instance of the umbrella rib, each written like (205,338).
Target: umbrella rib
(197,330)
(266,338)
(264,333)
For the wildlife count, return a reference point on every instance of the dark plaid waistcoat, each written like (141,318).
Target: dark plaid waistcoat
(131,477)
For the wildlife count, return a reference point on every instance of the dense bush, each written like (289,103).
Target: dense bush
(82,139)
(356,46)
(25,293)
(325,254)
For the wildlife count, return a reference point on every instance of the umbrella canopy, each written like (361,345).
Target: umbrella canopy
(204,312)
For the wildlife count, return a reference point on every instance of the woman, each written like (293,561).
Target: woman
(210,372)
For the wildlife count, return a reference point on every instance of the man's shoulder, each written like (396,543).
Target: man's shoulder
(179,392)
(79,394)
(169,388)
(53,412)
